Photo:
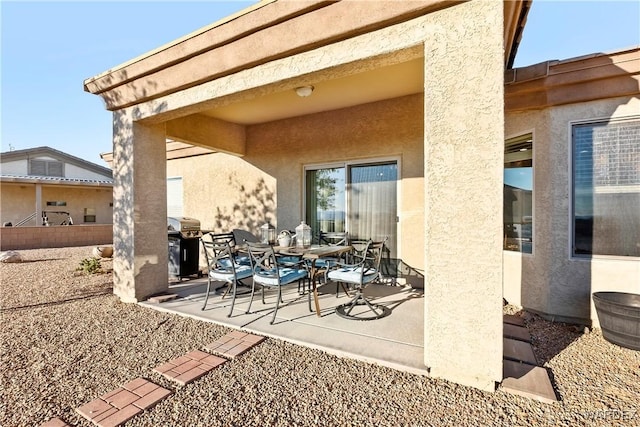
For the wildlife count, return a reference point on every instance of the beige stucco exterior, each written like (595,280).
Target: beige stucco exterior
(550,280)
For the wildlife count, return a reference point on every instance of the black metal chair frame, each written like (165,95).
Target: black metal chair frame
(363,269)
(333,238)
(222,266)
(268,272)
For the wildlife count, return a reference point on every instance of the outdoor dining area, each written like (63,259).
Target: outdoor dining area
(324,291)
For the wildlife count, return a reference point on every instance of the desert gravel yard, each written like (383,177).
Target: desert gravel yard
(67,340)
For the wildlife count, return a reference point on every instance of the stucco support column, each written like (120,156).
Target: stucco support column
(140,262)
(464,129)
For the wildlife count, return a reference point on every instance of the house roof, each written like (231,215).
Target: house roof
(15,155)
(581,79)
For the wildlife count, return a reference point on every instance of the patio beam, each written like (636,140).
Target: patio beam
(203,131)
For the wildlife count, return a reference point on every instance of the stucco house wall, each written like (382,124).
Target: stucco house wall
(550,280)
(17,202)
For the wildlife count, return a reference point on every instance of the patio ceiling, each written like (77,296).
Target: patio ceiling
(388,82)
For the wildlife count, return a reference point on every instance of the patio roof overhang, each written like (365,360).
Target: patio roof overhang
(262,33)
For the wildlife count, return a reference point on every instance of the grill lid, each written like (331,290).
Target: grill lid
(183,224)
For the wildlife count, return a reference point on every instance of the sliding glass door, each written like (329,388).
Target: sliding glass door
(360,198)
(372,212)
(325,199)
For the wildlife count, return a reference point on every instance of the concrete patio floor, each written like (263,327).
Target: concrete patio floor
(395,341)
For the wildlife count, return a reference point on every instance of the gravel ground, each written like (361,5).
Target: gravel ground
(67,340)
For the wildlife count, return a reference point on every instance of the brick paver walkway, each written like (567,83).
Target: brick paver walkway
(234,344)
(189,367)
(120,405)
(123,403)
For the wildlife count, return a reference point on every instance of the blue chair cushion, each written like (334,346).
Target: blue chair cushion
(242,272)
(243,260)
(287,275)
(352,275)
(289,260)
(239,260)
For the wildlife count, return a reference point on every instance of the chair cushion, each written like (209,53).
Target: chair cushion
(243,260)
(287,275)
(242,272)
(239,260)
(289,259)
(327,262)
(352,275)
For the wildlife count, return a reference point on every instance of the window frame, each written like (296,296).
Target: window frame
(356,162)
(571,188)
(509,137)
(86,215)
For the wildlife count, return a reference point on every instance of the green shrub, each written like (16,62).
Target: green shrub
(90,266)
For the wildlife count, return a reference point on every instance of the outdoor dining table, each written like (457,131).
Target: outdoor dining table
(313,254)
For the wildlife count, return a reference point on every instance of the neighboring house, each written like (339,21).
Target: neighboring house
(390,119)
(42,187)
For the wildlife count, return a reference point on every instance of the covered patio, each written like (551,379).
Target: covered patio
(415,84)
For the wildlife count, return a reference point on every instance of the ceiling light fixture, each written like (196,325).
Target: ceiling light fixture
(304,91)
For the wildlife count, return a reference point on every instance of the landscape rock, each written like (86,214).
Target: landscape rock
(10,256)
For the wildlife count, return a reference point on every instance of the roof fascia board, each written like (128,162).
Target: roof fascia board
(236,26)
(319,27)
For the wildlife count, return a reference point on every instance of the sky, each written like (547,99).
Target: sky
(49,48)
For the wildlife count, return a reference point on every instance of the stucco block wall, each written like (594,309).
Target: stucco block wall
(550,281)
(19,201)
(226,192)
(15,238)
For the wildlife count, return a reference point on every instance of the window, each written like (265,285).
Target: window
(174,196)
(46,167)
(606,188)
(358,198)
(518,194)
(89,215)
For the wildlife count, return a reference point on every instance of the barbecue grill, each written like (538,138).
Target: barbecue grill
(184,246)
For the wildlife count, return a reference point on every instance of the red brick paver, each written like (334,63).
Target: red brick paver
(234,344)
(189,367)
(55,422)
(122,404)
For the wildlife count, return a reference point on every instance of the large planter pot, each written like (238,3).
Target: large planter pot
(619,317)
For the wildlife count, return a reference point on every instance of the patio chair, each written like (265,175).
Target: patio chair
(364,269)
(242,236)
(269,272)
(222,266)
(332,238)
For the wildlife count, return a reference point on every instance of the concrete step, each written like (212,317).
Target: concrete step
(518,351)
(528,381)
(519,333)
(513,320)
